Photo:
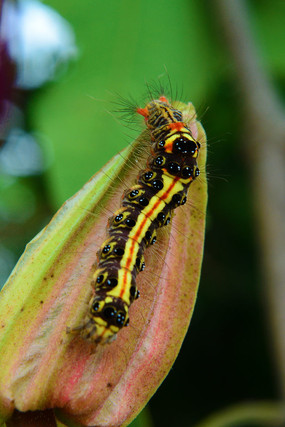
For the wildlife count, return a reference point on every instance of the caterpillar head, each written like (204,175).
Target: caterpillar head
(159,112)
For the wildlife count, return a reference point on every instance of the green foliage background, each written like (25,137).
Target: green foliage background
(122,45)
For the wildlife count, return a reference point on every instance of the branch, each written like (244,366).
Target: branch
(265,138)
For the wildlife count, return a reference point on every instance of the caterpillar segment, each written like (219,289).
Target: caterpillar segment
(161,187)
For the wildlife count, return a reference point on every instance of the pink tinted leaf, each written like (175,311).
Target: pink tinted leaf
(49,290)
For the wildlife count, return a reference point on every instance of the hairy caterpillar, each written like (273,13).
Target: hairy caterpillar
(161,187)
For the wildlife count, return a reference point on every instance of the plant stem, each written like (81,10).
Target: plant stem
(260,413)
(265,136)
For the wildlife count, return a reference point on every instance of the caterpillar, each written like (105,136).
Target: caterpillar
(148,205)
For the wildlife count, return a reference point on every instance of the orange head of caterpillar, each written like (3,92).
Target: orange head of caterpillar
(145,111)
(107,315)
(159,112)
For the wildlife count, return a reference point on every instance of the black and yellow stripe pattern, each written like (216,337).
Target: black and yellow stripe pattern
(146,206)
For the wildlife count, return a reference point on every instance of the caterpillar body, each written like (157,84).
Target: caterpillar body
(160,188)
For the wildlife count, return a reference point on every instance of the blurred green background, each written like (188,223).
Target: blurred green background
(122,44)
